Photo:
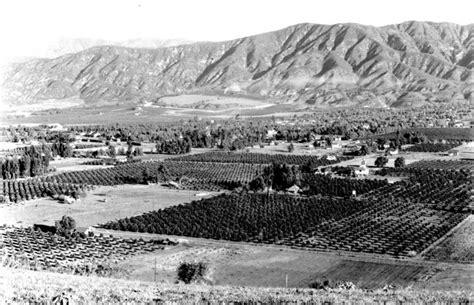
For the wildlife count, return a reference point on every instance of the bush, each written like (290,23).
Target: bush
(399,162)
(381,161)
(65,226)
(191,271)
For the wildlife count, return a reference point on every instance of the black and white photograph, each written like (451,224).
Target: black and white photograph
(237,152)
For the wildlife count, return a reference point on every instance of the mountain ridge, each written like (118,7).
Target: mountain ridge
(407,64)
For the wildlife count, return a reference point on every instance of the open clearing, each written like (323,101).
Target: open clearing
(121,201)
(73,164)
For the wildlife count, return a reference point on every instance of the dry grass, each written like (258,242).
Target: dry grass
(29,286)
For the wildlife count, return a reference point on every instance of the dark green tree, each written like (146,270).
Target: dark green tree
(381,161)
(399,162)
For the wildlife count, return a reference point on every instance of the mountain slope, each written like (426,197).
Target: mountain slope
(321,65)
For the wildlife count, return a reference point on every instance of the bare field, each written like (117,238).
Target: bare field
(121,201)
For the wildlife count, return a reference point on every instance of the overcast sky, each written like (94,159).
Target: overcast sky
(29,26)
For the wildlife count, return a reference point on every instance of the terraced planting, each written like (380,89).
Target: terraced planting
(15,191)
(466,165)
(448,190)
(257,158)
(431,147)
(394,228)
(248,217)
(45,250)
(372,226)
(434,134)
(193,175)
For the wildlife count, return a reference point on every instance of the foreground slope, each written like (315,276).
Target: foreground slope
(408,64)
(30,286)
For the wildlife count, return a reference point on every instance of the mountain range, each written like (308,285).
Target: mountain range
(402,65)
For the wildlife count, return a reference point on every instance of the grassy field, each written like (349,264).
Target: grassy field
(42,287)
(121,201)
(244,264)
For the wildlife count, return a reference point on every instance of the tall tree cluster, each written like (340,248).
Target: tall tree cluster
(33,162)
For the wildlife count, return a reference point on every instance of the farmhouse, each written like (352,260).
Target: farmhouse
(362,170)
(452,153)
(392,151)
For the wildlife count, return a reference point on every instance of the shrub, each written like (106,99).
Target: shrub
(381,161)
(400,162)
(65,226)
(191,271)
(291,147)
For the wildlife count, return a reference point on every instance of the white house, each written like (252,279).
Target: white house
(362,170)
(331,158)
(393,151)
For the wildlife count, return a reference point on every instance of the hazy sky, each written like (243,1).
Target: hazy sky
(29,26)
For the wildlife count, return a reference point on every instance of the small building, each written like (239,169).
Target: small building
(331,158)
(172,184)
(271,134)
(362,170)
(69,200)
(452,153)
(294,190)
(392,151)
(320,143)
(121,159)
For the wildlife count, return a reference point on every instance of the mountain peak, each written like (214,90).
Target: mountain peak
(317,65)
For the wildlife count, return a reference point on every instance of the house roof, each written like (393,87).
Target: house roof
(293,188)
